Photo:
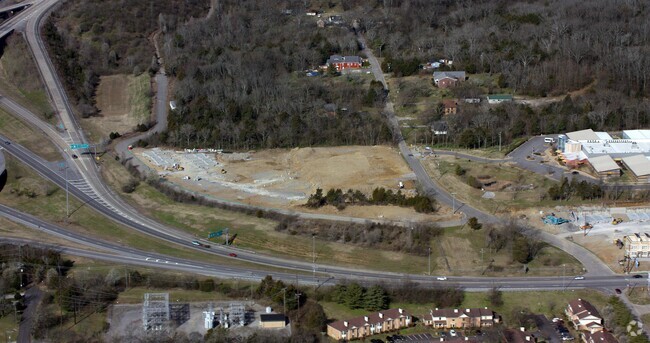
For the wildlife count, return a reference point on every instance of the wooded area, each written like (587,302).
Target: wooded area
(89,38)
(241,83)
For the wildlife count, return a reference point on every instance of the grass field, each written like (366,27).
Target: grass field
(135,295)
(23,134)
(20,80)
(140,98)
(442,169)
(8,328)
(25,191)
(638,295)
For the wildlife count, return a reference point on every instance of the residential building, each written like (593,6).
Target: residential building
(368,325)
(455,318)
(273,320)
(494,99)
(447,79)
(584,316)
(599,337)
(449,106)
(637,245)
(519,336)
(344,62)
(472,100)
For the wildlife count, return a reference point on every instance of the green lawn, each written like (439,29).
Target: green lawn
(32,139)
(638,295)
(8,328)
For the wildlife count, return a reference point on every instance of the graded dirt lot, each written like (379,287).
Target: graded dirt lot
(285,178)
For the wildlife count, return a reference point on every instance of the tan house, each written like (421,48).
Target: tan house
(449,106)
(599,337)
(584,316)
(273,320)
(368,325)
(455,318)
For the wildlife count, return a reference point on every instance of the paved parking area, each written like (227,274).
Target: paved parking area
(415,338)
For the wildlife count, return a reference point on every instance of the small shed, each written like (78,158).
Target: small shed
(273,320)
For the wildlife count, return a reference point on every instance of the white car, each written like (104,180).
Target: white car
(441,278)
(579,278)
(453,333)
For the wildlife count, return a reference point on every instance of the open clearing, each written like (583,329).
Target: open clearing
(285,178)
(124,101)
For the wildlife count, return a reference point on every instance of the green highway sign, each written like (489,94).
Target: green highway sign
(79,146)
(215,234)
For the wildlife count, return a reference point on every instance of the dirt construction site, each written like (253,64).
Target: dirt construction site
(284,178)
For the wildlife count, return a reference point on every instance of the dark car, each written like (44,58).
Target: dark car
(74,156)
(7,142)
(637,276)
(575,172)
(232,254)
(618,291)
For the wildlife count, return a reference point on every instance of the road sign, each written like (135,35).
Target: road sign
(215,234)
(79,146)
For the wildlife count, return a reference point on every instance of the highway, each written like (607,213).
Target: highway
(107,251)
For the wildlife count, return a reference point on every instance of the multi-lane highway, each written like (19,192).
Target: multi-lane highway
(112,252)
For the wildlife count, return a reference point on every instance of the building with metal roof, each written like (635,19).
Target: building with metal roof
(639,165)
(604,166)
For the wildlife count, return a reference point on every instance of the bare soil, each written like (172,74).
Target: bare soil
(286,178)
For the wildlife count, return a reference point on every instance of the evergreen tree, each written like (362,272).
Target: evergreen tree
(376,299)
(354,297)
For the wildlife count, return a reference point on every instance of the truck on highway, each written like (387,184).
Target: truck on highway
(197,243)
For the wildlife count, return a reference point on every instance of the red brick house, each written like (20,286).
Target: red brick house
(448,79)
(344,62)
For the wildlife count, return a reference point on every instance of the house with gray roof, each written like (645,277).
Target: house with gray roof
(447,79)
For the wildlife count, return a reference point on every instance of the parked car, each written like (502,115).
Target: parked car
(74,156)
(453,333)
(618,291)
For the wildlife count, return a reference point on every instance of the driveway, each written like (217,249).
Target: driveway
(546,328)
(33,297)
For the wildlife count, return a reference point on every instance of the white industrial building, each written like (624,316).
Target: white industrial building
(602,152)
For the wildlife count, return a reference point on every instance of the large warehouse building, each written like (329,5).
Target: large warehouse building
(602,152)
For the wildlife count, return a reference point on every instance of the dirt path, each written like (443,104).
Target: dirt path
(536,102)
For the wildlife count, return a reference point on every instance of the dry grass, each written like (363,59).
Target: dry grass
(23,134)
(123,101)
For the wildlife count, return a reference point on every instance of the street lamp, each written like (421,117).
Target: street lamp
(453,203)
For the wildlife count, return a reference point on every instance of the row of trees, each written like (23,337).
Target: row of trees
(355,296)
(413,240)
(380,196)
(565,190)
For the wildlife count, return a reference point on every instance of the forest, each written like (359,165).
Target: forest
(241,83)
(240,74)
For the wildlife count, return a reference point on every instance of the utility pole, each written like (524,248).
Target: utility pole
(499,141)
(453,203)
(563,277)
(429,261)
(313,255)
(67,202)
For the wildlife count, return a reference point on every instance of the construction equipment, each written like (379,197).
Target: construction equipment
(617,221)
(553,220)
(587,226)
